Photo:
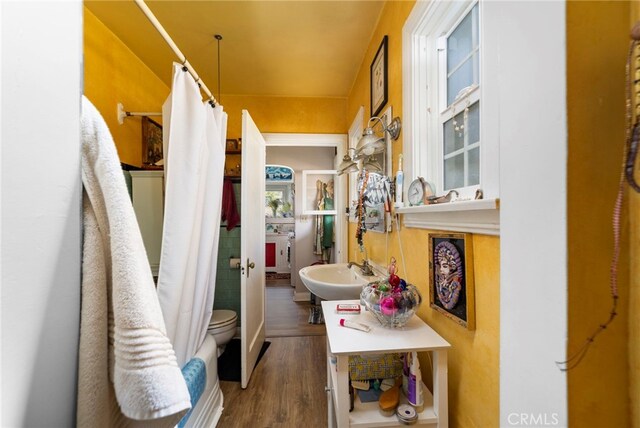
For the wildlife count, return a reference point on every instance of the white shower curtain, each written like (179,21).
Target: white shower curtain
(195,135)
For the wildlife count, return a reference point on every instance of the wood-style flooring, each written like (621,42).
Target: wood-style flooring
(285,317)
(287,386)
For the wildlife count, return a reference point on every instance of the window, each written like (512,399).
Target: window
(278,201)
(449,138)
(459,118)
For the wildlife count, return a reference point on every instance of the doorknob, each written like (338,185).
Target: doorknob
(250,265)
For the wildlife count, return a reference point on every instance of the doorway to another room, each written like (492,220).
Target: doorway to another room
(291,234)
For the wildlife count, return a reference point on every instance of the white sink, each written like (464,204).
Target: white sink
(334,281)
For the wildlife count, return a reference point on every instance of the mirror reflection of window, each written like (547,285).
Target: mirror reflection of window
(279,192)
(279,201)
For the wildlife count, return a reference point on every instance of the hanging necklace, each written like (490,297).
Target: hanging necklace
(632,136)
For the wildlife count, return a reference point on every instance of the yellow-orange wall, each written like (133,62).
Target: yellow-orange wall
(634,284)
(113,74)
(597,43)
(474,355)
(285,114)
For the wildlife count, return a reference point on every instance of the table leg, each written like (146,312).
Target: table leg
(440,397)
(342,390)
(331,413)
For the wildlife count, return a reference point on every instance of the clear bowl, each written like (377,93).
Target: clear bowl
(392,306)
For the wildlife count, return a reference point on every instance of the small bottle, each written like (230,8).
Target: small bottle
(415,384)
(399,182)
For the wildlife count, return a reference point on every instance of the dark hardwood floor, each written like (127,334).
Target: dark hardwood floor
(287,386)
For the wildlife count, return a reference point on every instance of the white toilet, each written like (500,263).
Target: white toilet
(223,327)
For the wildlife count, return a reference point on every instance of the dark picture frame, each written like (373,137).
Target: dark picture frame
(451,280)
(378,76)
(151,143)
(232,145)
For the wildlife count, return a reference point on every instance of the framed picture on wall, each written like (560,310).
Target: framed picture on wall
(451,284)
(378,71)
(151,143)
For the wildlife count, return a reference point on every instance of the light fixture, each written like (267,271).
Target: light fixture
(348,165)
(371,143)
(372,165)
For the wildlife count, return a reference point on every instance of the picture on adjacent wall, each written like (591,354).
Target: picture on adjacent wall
(451,287)
(151,143)
(379,78)
(232,145)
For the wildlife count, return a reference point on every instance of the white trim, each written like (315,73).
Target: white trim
(477,216)
(339,141)
(421,32)
(533,209)
(41,229)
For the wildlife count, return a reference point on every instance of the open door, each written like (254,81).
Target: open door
(252,250)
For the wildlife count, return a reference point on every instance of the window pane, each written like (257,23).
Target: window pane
(454,139)
(473,123)
(460,79)
(474,167)
(462,65)
(274,200)
(460,43)
(454,172)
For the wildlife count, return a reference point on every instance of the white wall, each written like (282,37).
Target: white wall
(40,233)
(300,158)
(531,72)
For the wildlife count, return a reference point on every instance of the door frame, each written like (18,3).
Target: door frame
(340,143)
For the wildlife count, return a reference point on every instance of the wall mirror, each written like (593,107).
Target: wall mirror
(318,192)
(279,193)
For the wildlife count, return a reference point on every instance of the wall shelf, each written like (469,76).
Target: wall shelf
(477,216)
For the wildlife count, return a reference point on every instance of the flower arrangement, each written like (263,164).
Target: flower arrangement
(391,300)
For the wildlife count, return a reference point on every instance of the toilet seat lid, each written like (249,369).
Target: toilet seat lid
(222,317)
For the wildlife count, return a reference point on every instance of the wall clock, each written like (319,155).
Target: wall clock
(419,192)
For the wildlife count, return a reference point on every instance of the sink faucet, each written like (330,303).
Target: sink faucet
(365,267)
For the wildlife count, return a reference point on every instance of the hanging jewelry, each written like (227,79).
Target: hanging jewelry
(361,215)
(632,135)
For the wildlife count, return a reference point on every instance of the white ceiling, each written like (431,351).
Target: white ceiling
(271,48)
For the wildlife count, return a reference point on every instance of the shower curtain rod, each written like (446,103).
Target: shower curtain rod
(145,9)
(123,114)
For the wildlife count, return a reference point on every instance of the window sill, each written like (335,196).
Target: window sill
(477,216)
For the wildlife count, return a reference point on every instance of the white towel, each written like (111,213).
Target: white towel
(124,355)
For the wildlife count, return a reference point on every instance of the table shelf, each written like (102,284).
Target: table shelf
(343,342)
(368,414)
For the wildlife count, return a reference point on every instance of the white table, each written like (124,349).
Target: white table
(343,342)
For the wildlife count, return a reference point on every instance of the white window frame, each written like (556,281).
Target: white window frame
(426,25)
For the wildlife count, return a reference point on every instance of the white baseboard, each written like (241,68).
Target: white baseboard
(301,296)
